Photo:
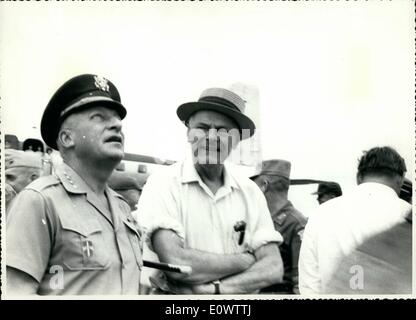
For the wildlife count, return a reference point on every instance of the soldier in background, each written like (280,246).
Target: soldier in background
(11,142)
(327,191)
(21,168)
(129,185)
(34,145)
(273,180)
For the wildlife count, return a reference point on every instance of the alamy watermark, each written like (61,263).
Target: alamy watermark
(212,146)
(56,282)
(357,280)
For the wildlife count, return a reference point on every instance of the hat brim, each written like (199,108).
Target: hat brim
(50,126)
(327,192)
(185,110)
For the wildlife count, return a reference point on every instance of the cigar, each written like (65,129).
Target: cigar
(168,267)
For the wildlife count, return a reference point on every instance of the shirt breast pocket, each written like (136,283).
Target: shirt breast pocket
(83,246)
(136,240)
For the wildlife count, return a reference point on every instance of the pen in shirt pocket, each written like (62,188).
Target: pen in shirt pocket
(240,226)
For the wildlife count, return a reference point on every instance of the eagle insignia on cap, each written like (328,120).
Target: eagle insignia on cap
(101,83)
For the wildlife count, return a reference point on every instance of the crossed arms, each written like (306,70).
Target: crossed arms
(239,273)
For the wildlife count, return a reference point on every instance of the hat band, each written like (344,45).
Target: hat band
(219,100)
(82,102)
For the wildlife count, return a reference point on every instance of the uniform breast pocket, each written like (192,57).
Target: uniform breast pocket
(83,246)
(136,240)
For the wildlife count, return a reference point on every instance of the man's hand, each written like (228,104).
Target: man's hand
(206,266)
(266,271)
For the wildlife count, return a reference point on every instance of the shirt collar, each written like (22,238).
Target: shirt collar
(189,174)
(377,187)
(287,205)
(73,183)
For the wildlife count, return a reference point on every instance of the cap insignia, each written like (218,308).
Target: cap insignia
(101,83)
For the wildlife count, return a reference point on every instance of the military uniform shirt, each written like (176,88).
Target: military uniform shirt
(60,234)
(290,223)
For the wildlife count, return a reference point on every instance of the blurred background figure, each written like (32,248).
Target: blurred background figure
(406,191)
(56,160)
(47,161)
(121,167)
(11,142)
(274,180)
(361,242)
(33,145)
(381,265)
(327,191)
(386,255)
(129,184)
(51,160)
(21,168)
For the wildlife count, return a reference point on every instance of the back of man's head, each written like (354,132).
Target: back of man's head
(272,184)
(383,165)
(273,176)
(279,184)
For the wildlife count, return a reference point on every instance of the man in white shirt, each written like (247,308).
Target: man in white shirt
(193,210)
(340,226)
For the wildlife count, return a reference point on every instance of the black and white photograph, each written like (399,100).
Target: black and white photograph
(207,149)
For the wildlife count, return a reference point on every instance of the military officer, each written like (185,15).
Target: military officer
(79,236)
(273,180)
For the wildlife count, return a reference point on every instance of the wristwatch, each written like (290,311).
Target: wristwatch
(216,284)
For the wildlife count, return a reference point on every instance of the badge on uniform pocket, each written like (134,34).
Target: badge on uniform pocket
(83,246)
(87,248)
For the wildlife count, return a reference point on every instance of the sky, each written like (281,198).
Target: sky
(333,78)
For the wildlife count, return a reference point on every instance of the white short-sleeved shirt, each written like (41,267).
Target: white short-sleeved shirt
(178,199)
(340,225)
